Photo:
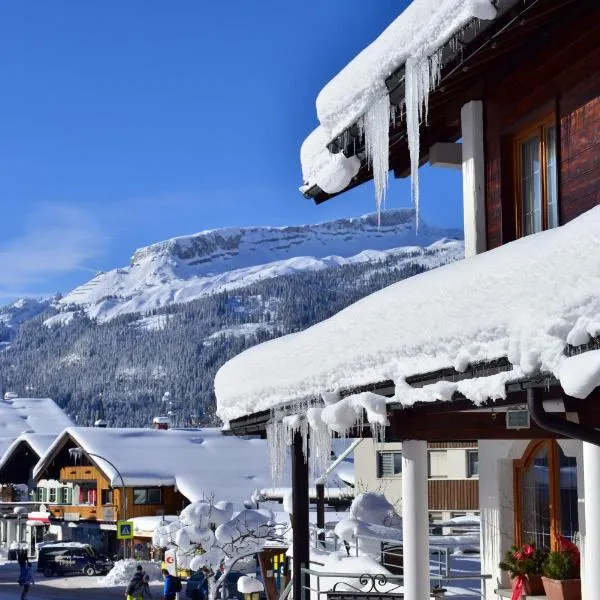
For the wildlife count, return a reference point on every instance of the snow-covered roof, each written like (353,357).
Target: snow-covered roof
(29,415)
(422,28)
(199,462)
(39,443)
(524,301)
(358,93)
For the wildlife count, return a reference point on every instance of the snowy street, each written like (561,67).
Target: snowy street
(63,588)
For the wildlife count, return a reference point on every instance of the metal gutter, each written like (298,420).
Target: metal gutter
(553,424)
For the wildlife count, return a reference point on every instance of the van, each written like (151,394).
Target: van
(71,558)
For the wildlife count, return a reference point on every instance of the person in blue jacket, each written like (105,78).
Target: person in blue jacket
(26,578)
(169,589)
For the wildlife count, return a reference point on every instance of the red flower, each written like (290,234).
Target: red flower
(528,550)
(569,547)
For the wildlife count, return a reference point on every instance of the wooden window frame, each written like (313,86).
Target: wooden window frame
(539,126)
(519,465)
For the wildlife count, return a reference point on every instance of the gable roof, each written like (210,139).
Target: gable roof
(38,442)
(29,415)
(198,462)
(524,302)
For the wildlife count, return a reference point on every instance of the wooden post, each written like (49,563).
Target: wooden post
(301,546)
(321,510)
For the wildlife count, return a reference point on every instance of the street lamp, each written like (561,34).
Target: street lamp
(77,453)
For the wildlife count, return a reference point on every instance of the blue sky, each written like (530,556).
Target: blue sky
(124,123)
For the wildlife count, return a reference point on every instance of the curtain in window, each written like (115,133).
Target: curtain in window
(531,186)
(535,500)
(551,178)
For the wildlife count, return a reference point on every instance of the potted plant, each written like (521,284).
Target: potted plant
(524,565)
(561,573)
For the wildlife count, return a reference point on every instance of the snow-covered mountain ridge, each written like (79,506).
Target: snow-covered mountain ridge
(185,268)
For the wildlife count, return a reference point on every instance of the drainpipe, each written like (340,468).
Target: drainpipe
(549,422)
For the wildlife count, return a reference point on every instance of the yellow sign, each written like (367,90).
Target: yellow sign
(124,530)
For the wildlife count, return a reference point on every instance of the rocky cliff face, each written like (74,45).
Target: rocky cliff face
(185,268)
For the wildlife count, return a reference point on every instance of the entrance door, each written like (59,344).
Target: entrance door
(545,495)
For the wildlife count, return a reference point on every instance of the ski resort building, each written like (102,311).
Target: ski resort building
(503,347)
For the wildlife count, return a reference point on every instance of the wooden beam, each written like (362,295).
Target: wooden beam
(300,503)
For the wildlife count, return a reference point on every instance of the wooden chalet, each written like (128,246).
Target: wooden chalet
(522,91)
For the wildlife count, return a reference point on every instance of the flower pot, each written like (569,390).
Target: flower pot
(566,589)
(532,585)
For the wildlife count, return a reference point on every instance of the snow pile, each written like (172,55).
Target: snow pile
(358,94)
(124,570)
(522,301)
(198,462)
(249,585)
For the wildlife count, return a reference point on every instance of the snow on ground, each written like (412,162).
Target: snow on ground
(524,301)
(61,319)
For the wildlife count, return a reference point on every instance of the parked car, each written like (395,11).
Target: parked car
(69,558)
(197,588)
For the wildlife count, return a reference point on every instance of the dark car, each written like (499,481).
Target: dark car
(56,559)
(197,588)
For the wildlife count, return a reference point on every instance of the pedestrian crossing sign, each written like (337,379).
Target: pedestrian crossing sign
(124,530)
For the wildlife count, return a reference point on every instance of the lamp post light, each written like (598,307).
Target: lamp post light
(78,452)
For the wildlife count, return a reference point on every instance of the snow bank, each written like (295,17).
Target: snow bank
(521,301)
(124,570)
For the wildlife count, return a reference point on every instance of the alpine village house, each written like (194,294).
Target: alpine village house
(503,347)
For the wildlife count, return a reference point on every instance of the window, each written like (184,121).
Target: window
(41,494)
(147,496)
(52,495)
(65,495)
(472,463)
(536,179)
(546,495)
(437,463)
(389,464)
(107,497)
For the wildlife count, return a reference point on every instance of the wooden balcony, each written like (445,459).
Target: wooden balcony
(79,473)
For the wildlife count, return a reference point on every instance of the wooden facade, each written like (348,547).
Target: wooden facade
(453,494)
(562,80)
(121,506)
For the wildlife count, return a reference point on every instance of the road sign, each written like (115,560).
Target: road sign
(124,530)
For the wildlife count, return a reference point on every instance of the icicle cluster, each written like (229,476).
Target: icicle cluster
(422,74)
(376,127)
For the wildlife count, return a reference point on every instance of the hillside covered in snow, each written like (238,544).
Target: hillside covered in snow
(183,307)
(189,267)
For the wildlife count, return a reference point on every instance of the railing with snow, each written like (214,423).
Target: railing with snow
(389,553)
